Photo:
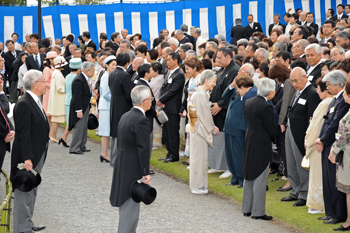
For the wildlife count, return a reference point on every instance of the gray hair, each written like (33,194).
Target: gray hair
(265,86)
(30,77)
(340,28)
(215,45)
(241,41)
(263,53)
(184,28)
(303,43)
(58,40)
(26,45)
(250,69)
(193,27)
(344,35)
(139,94)
(335,77)
(220,37)
(238,21)
(177,32)
(280,46)
(207,74)
(128,44)
(316,47)
(87,66)
(168,50)
(73,44)
(341,50)
(173,41)
(285,39)
(131,53)
(225,43)
(197,31)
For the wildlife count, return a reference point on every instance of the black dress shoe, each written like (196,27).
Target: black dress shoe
(76,152)
(185,163)
(265,217)
(341,228)
(239,186)
(247,214)
(39,228)
(300,202)
(333,221)
(229,184)
(171,159)
(85,150)
(151,172)
(267,188)
(288,199)
(281,189)
(325,218)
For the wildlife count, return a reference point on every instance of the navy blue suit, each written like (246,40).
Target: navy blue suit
(235,128)
(334,200)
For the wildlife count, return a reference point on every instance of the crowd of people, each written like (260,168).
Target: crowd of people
(258,105)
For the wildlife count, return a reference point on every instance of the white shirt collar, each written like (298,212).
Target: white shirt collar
(313,67)
(122,68)
(145,81)
(86,77)
(86,42)
(139,108)
(307,84)
(172,71)
(339,93)
(251,25)
(34,96)
(339,16)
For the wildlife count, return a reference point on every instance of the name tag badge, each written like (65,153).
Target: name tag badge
(331,110)
(310,77)
(337,135)
(301,101)
(170,80)
(136,81)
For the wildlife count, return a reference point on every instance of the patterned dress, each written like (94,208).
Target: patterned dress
(343,143)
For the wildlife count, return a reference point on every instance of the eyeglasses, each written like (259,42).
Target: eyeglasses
(41,81)
(296,80)
(152,98)
(240,70)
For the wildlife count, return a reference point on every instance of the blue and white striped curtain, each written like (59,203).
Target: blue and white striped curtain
(212,16)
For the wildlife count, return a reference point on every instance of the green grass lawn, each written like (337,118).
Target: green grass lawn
(297,217)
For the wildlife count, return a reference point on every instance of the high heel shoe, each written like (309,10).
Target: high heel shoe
(102,158)
(63,142)
(54,140)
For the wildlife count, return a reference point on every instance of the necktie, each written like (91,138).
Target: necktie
(166,77)
(37,62)
(41,108)
(297,94)
(7,124)
(14,54)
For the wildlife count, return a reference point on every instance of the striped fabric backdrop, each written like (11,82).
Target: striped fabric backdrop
(212,16)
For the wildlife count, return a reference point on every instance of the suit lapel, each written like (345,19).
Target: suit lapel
(38,110)
(302,95)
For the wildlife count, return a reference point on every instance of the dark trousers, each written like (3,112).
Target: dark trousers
(234,147)
(13,92)
(334,200)
(172,136)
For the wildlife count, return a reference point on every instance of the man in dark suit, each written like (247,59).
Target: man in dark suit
(225,76)
(79,109)
(116,39)
(132,160)
(340,13)
(313,59)
(261,133)
(35,60)
(9,57)
(251,27)
(6,134)
(334,200)
(30,146)
(69,40)
(157,41)
(302,107)
(135,66)
(16,64)
(310,23)
(184,28)
(88,41)
(170,100)
(237,32)
(120,85)
(180,36)
(276,21)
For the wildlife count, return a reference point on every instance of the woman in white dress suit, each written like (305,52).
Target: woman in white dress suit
(315,194)
(201,129)
(57,96)
(104,106)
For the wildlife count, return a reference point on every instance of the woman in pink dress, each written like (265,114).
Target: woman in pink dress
(47,73)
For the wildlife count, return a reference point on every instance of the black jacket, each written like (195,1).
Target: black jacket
(272,25)
(9,59)
(92,45)
(224,78)
(171,92)
(248,31)
(31,64)
(120,86)
(81,97)
(335,17)
(237,33)
(192,40)
(315,74)
(133,153)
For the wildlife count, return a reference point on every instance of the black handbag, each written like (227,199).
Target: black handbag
(339,157)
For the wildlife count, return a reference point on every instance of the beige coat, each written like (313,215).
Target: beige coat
(57,95)
(315,193)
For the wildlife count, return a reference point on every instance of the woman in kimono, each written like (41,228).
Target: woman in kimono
(201,129)
(315,194)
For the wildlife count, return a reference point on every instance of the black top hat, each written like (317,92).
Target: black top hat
(143,192)
(93,122)
(25,180)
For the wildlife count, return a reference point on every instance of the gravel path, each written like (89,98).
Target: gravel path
(74,197)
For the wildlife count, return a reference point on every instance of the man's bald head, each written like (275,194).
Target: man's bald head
(298,78)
